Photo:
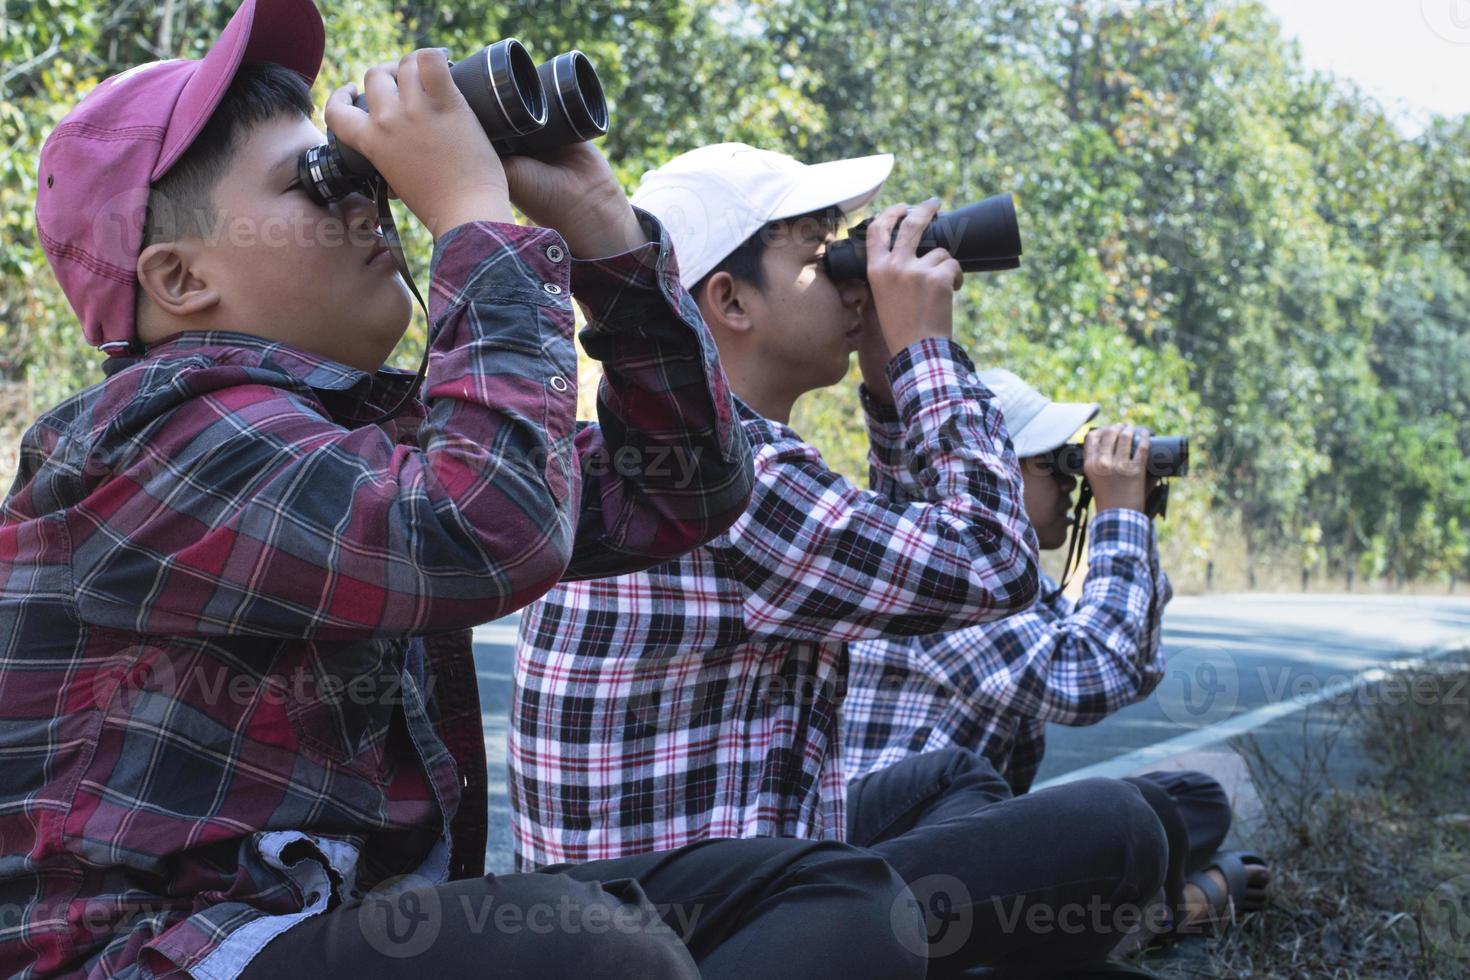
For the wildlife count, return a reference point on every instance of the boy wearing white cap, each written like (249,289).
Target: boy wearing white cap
(702,698)
(992,688)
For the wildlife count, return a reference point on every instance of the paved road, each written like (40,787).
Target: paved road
(1227,655)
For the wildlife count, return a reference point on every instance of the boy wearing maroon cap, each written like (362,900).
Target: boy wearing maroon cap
(237,708)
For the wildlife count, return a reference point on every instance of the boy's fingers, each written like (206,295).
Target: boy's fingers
(1129,440)
(1141,452)
(381,86)
(945,264)
(1145,444)
(434,76)
(912,227)
(342,117)
(880,232)
(343,95)
(410,92)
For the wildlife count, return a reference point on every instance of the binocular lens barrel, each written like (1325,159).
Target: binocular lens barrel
(1168,456)
(984,237)
(577,110)
(501,85)
(522,108)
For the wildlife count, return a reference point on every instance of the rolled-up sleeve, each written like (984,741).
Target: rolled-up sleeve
(666,468)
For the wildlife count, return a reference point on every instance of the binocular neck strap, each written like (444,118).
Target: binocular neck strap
(1077,541)
(395,246)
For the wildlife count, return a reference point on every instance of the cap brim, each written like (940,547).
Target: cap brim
(1051,427)
(845,184)
(287,32)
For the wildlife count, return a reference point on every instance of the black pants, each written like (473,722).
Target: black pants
(765,908)
(1195,813)
(1012,886)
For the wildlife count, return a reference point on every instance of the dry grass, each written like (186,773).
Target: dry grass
(1371,880)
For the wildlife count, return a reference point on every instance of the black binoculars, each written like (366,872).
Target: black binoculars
(523,109)
(984,237)
(1168,456)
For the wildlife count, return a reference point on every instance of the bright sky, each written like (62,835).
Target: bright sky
(1414,55)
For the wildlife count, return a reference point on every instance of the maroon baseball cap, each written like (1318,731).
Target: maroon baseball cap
(98,163)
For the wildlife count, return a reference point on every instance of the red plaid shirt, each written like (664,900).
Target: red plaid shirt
(235,687)
(700,698)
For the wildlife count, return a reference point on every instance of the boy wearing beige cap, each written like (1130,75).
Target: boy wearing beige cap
(992,689)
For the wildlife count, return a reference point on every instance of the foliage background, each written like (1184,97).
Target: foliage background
(1218,241)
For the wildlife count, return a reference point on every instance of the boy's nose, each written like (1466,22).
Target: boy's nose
(854,293)
(359,213)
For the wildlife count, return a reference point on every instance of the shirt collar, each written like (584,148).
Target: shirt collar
(745,411)
(354,389)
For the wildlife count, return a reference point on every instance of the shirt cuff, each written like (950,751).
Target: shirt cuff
(929,371)
(878,412)
(1120,533)
(498,261)
(885,428)
(650,268)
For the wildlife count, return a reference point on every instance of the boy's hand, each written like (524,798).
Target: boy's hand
(874,355)
(1116,470)
(426,142)
(572,189)
(913,295)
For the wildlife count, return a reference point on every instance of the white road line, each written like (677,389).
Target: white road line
(496,634)
(1147,757)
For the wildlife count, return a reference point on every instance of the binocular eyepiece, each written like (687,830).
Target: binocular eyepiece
(1168,456)
(522,108)
(984,237)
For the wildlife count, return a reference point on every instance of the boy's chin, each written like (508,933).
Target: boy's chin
(837,370)
(1052,538)
(370,349)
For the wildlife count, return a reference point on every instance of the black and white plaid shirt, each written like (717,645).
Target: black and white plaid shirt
(700,698)
(993,687)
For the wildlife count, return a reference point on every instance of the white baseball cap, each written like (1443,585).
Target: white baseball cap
(1036,423)
(714,198)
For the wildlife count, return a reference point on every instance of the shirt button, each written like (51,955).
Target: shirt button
(560,384)
(552,288)
(554,253)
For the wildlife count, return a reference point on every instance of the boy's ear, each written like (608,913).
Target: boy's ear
(724,304)
(167,274)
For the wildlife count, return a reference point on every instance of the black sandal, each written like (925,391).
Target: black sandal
(1238,891)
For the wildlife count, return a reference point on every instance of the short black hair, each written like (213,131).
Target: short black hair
(744,264)
(181,202)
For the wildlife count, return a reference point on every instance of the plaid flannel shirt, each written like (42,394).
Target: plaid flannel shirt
(700,698)
(236,686)
(992,688)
